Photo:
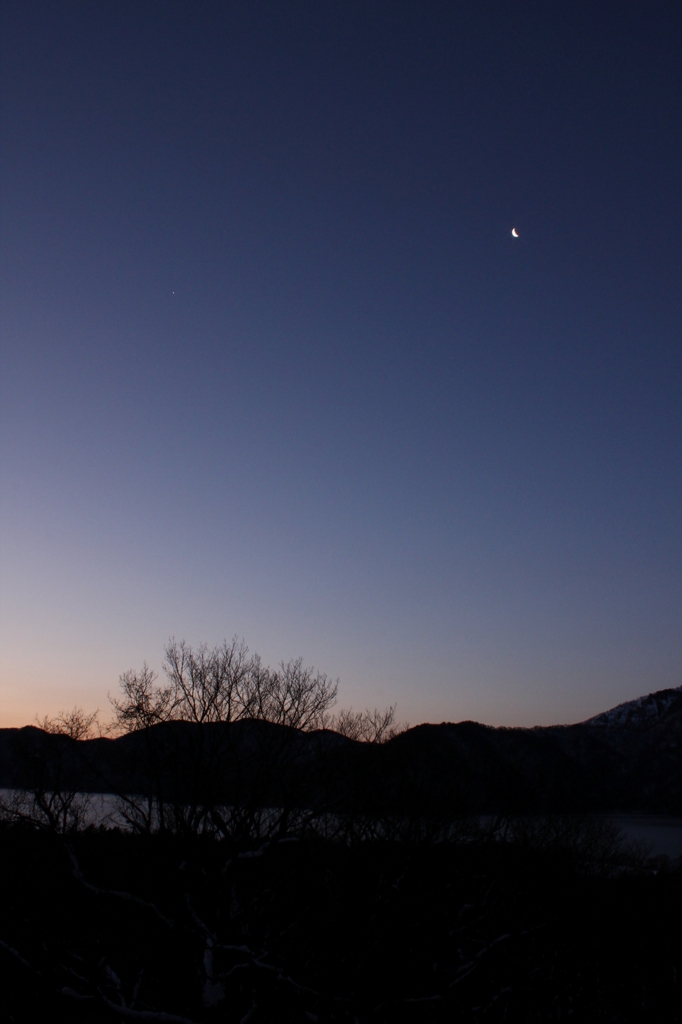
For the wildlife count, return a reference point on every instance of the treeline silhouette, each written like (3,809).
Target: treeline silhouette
(263,859)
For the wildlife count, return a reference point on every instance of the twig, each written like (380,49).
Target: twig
(160,1015)
(78,875)
(13,952)
(463,972)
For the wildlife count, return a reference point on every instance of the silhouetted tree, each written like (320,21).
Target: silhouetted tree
(77,724)
(52,799)
(193,773)
(223,684)
(366,726)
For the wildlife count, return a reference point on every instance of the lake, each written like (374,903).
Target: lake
(660,834)
(663,835)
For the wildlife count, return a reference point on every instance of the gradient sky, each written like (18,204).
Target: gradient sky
(273,365)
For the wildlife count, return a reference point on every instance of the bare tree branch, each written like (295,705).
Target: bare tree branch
(13,952)
(127,896)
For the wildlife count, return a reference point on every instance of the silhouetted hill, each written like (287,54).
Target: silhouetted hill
(626,759)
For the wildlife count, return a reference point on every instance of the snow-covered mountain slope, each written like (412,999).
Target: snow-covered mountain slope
(642,711)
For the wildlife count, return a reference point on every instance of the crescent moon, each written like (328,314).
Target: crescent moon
(515,233)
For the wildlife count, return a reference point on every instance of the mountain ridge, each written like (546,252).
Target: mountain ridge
(641,710)
(627,759)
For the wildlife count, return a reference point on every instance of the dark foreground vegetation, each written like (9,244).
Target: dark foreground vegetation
(556,924)
(260,860)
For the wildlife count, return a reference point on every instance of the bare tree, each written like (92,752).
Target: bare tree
(375,726)
(210,685)
(207,778)
(223,684)
(143,702)
(76,724)
(293,694)
(51,800)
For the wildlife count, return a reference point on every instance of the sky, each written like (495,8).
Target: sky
(274,366)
